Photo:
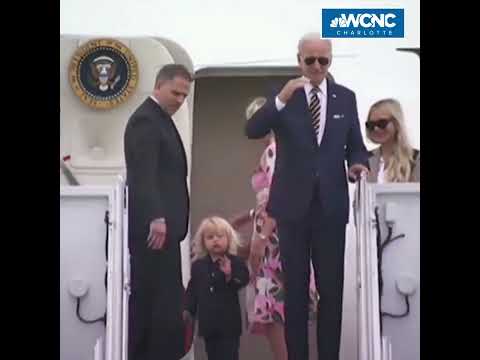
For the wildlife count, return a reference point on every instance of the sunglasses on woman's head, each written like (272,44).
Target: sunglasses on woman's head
(380,123)
(321,60)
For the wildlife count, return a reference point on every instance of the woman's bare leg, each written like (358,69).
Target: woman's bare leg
(276,337)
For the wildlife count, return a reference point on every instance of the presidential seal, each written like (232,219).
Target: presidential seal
(103,73)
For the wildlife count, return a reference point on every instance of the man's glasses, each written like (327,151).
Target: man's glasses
(321,60)
(381,124)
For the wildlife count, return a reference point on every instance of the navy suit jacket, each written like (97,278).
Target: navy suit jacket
(214,301)
(301,163)
(156,175)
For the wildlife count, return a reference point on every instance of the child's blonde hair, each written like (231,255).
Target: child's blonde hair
(218,224)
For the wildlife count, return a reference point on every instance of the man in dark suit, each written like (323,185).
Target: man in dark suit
(158,219)
(316,129)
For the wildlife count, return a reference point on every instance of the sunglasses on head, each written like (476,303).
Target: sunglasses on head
(321,60)
(380,123)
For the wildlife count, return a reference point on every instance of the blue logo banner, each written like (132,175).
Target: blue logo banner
(363,23)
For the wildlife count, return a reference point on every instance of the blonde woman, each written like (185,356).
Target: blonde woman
(394,160)
(212,293)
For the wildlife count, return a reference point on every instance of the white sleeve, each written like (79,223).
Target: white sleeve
(280,105)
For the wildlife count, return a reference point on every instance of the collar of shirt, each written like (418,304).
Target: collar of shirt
(154,99)
(214,258)
(323,89)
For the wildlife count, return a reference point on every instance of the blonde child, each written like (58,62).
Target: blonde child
(212,294)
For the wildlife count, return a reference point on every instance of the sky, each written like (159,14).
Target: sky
(222,32)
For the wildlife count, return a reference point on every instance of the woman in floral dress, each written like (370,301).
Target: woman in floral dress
(265,292)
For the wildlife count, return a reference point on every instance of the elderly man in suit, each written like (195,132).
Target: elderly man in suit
(158,219)
(316,129)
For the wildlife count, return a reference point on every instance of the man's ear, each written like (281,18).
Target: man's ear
(298,58)
(159,83)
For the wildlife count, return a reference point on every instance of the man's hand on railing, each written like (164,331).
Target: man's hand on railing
(359,191)
(356,171)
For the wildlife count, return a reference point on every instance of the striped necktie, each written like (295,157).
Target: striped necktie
(315,107)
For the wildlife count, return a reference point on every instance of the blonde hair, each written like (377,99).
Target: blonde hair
(217,224)
(399,166)
(256,104)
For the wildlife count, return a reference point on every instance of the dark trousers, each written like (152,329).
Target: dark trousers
(156,329)
(323,241)
(222,347)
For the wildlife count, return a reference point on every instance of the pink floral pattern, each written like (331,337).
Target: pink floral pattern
(265,295)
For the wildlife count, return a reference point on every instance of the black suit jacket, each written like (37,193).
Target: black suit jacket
(301,163)
(156,174)
(213,300)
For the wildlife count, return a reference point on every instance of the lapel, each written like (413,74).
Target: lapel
(332,108)
(300,107)
(332,103)
(181,148)
(171,124)
(167,122)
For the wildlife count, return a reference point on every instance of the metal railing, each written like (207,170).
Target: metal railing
(369,336)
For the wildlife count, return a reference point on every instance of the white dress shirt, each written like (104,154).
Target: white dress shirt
(154,99)
(322,97)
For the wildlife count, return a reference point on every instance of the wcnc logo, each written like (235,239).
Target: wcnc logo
(362,23)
